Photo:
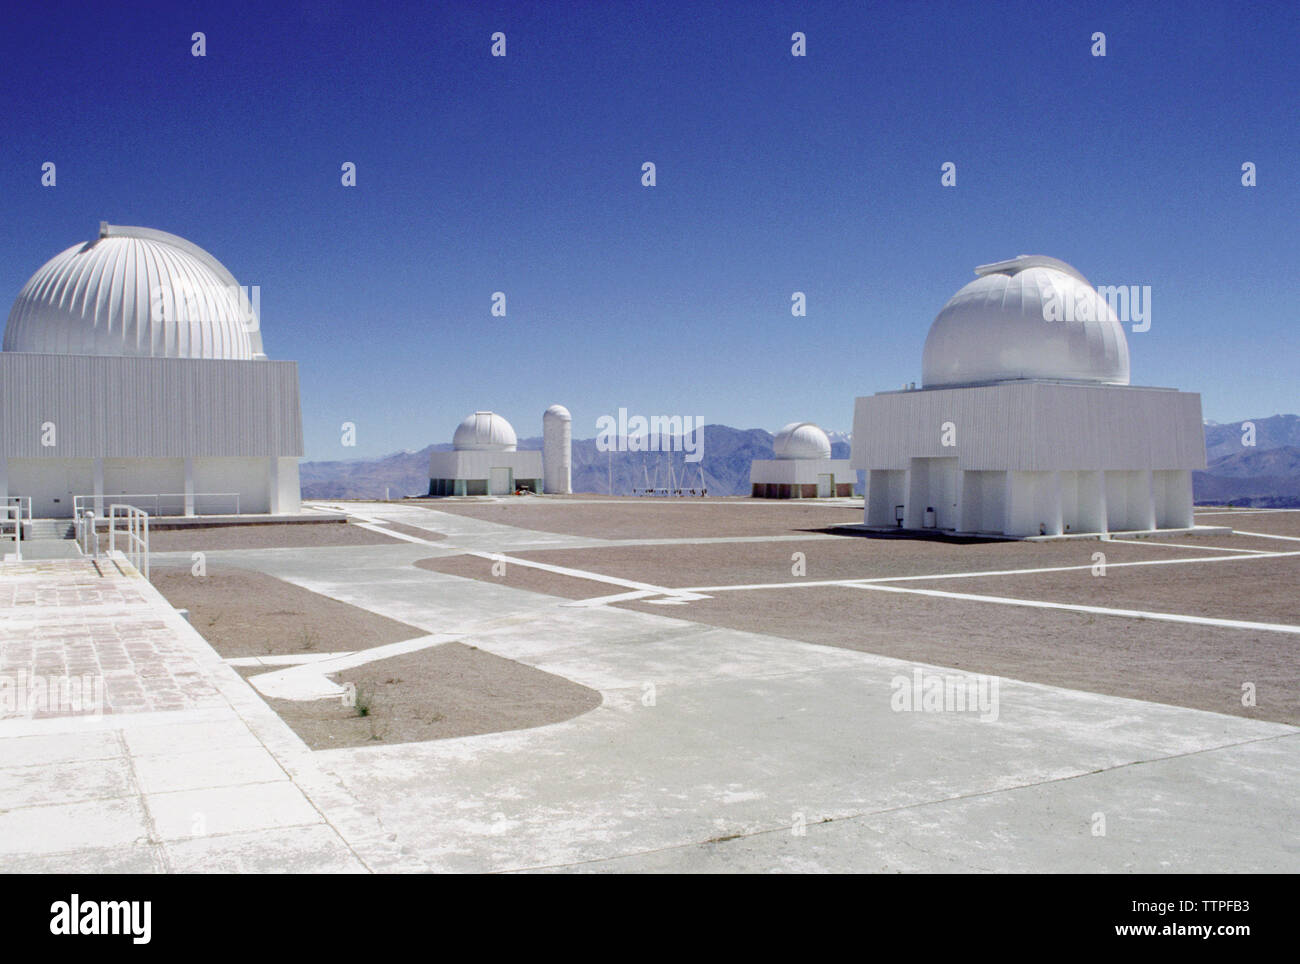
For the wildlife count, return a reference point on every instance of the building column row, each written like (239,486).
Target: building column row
(1032,503)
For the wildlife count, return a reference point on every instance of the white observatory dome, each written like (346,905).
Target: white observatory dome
(484,432)
(557,411)
(1030,317)
(801,440)
(134,291)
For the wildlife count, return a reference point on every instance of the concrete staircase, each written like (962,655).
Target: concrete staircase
(49,529)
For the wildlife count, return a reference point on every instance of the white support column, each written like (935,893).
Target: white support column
(98,470)
(1180,497)
(189,487)
(1012,524)
(1033,504)
(290,486)
(917,487)
(1092,502)
(273,480)
(874,496)
(967,494)
(1146,504)
(1051,502)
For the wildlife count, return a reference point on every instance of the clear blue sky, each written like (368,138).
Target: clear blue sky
(775,174)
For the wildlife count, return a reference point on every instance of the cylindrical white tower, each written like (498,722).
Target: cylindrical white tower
(557,450)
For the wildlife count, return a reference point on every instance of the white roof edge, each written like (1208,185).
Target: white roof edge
(107,230)
(793,427)
(1023,261)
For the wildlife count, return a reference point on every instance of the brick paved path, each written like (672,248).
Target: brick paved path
(166,760)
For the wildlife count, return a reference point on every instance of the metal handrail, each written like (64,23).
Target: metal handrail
(136,533)
(16,513)
(87,534)
(84,501)
(21,500)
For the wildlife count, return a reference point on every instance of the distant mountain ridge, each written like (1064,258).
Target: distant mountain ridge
(1266,474)
(1276,431)
(1263,475)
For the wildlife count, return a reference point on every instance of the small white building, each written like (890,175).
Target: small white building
(803,467)
(1026,423)
(485,461)
(133,371)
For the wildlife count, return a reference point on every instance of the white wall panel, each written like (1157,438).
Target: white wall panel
(1032,427)
(479,465)
(119,407)
(800,471)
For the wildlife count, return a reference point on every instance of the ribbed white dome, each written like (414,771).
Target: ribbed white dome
(1030,317)
(801,440)
(484,432)
(134,291)
(557,411)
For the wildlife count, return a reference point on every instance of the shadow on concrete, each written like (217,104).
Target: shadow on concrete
(914,535)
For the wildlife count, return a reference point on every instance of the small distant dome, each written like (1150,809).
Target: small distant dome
(557,411)
(134,291)
(484,432)
(1030,317)
(801,440)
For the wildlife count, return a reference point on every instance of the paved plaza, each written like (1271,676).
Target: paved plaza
(713,748)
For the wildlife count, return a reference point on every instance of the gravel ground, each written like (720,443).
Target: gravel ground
(414,531)
(434,694)
(1195,666)
(445,691)
(1240,589)
(1278,523)
(245,613)
(650,518)
(849,557)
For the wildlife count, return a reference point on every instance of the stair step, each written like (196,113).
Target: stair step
(49,529)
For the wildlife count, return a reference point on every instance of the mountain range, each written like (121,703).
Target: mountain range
(1266,474)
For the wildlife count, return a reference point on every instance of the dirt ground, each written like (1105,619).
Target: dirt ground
(445,691)
(1252,520)
(271,536)
(434,694)
(245,613)
(1187,665)
(414,531)
(1236,588)
(848,557)
(1184,665)
(654,518)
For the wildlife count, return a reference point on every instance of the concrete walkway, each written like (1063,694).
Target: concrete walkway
(749,739)
(722,750)
(174,764)
(713,749)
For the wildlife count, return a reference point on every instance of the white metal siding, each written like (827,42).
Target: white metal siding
(1032,427)
(478,465)
(120,407)
(798,471)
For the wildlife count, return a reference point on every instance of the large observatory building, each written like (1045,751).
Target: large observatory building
(1026,423)
(133,366)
